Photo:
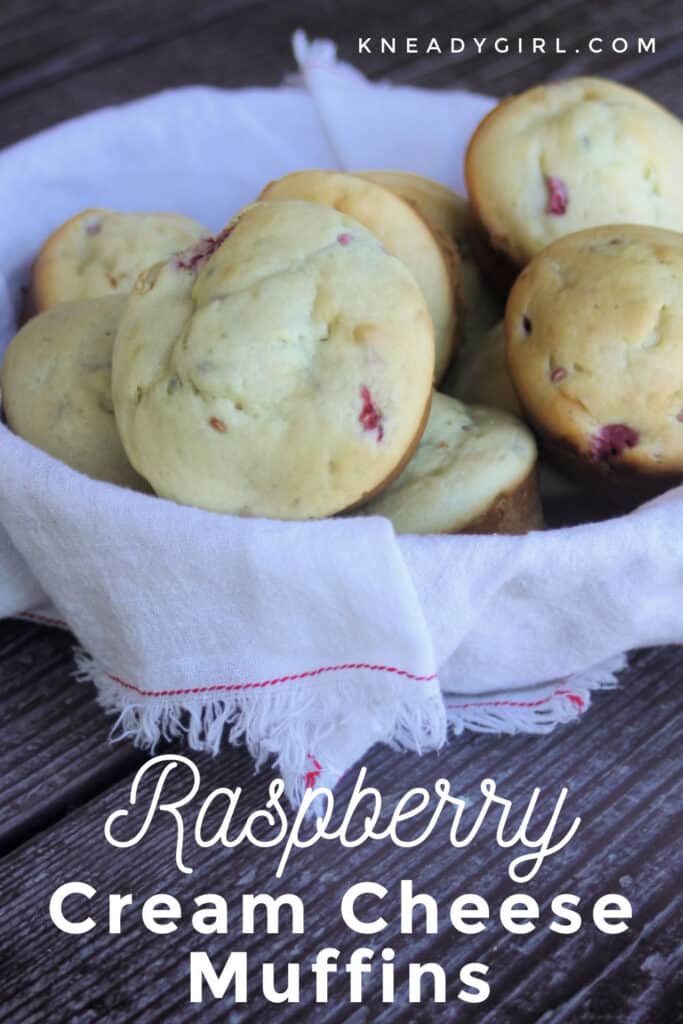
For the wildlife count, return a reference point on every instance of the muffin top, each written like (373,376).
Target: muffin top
(403,231)
(445,208)
(56,387)
(467,458)
(572,155)
(282,370)
(594,329)
(449,212)
(101,252)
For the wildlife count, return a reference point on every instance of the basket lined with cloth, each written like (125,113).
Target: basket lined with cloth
(309,641)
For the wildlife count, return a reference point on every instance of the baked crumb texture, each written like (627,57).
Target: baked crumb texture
(594,335)
(474,471)
(102,252)
(571,155)
(283,369)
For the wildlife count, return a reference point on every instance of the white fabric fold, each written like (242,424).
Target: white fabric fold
(263,628)
(309,641)
(389,126)
(19,589)
(521,610)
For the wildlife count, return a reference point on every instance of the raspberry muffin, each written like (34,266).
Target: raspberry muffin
(572,155)
(101,252)
(56,388)
(594,334)
(449,213)
(445,208)
(473,472)
(402,230)
(481,375)
(282,370)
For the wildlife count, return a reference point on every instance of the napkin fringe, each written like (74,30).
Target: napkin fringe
(297,733)
(565,703)
(293,731)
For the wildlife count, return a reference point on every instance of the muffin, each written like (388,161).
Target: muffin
(102,252)
(443,207)
(481,376)
(282,370)
(402,230)
(473,472)
(571,155)
(449,212)
(56,388)
(594,338)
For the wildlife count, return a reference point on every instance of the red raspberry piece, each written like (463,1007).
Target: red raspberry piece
(370,417)
(217,424)
(558,198)
(344,238)
(192,258)
(611,441)
(225,233)
(558,374)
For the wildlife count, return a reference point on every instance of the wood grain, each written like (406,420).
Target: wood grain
(109,51)
(54,752)
(617,767)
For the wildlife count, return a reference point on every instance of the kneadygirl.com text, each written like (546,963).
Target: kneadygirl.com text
(531,829)
(457,45)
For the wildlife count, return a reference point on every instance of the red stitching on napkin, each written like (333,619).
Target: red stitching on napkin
(221,687)
(46,620)
(573,697)
(313,774)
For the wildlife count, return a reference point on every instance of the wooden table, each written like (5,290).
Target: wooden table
(622,763)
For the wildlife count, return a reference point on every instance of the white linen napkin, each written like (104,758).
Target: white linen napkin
(310,641)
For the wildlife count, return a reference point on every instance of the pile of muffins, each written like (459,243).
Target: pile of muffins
(372,342)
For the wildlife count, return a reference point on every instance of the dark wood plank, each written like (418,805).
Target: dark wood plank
(500,74)
(54,753)
(623,769)
(52,67)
